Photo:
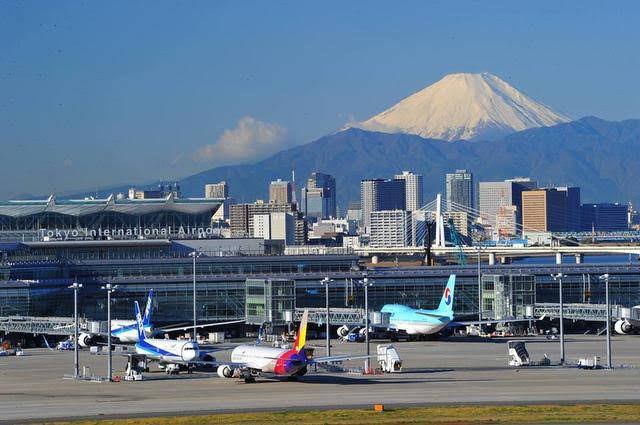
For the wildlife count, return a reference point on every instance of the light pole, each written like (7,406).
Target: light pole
(76,355)
(558,277)
(110,289)
(195,254)
(365,283)
(605,277)
(325,281)
(479,248)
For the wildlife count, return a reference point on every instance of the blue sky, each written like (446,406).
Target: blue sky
(96,93)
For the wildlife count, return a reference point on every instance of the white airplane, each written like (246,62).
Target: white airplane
(413,321)
(249,361)
(171,354)
(126,332)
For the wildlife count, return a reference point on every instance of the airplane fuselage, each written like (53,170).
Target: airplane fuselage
(414,321)
(168,350)
(279,361)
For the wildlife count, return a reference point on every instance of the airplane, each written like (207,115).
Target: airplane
(124,332)
(171,354)
(416,322)
(250,361)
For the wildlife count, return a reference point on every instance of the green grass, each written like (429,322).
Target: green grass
(493,414)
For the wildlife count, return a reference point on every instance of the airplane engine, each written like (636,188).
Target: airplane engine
(343,331)
(623,327)
(85,340)
(225,371)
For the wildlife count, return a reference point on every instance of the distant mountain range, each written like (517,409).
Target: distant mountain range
(600,156)
(472,121)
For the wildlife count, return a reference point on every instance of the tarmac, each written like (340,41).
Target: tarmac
(451,371)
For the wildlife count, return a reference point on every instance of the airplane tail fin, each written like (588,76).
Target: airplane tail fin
(301,338)
(139,323)
(146,319)
(446,303)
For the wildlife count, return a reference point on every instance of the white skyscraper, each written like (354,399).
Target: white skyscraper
(413,189)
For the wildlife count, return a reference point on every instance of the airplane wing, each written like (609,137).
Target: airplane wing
(207,325)
(342,358)
(435,316)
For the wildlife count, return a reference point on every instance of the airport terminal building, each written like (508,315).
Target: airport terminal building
(47,245)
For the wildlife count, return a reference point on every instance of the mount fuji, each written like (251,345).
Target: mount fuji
(464,107)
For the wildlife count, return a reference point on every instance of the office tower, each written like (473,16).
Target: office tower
(381,195)
(459,189)
(275,226)
(354,212)
(390,229)
(497,197)
(604,217)
(413,189)
(572,199)
(318,197)
(280,192)
(218,190)
(544,210)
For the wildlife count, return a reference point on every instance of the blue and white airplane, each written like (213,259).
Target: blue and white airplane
(169,353)
(126,331)
(123,331)
(414,321)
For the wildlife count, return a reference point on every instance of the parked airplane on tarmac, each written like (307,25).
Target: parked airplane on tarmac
(126,332)
(171,354)
(249,361)
(412,321)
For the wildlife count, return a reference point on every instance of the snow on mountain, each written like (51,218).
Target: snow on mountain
(464,106)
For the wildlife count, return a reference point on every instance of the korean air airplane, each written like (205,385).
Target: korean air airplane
(423,322)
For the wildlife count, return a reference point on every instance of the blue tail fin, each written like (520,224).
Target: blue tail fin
(446,303)
(139,325)
(146,319)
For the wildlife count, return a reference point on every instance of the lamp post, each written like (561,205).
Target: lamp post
(478,249)
(110,289)
(325,281)
(558,277)
(605,277)
(365,283)
(194,254)
(76,355)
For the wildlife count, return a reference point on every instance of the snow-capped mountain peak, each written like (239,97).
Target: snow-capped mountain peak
(464,106)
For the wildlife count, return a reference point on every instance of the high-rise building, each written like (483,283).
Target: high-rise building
(280,192)
(413,189)
(318,197)
(544,210)
(459,189)
(604,217)
(497,197)
(241,220)
(218,190)
(381,195)
(390,229)
(275,226)
(572,199)
(354,212)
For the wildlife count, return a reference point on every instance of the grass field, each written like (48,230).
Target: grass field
(494,414)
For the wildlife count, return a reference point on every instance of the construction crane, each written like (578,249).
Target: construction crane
(455,239)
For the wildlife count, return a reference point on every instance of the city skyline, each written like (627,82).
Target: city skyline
(157,105)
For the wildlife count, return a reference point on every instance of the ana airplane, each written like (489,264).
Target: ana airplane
(126,331)
(170,354)
(249,361)
(412,321)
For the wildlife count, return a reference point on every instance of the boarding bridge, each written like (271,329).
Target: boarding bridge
(41,325)
(587,312)
(341,316)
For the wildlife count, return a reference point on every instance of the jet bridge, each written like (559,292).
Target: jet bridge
(41,325)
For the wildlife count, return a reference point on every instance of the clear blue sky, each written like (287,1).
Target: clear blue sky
(95,93)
